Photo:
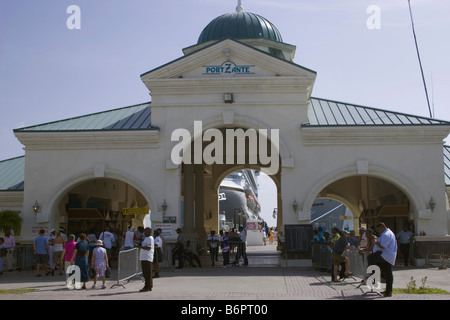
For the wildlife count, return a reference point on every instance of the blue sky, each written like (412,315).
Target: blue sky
(48,72)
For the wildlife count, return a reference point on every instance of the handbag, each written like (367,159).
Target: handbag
(107,272)
(92,273)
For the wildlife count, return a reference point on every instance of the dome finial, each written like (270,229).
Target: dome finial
(239,7)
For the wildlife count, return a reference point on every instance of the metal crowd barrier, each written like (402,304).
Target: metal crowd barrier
(129,266)
(432,250)
(321,259)
(22,258)
(358,263)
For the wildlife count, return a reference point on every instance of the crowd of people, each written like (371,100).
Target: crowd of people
(232,241)
(377,246)
(93,254)
(90,253)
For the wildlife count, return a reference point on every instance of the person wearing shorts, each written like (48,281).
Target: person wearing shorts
(99,263)
(41,249)
(338,255)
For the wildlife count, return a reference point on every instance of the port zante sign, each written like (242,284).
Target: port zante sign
(229,67)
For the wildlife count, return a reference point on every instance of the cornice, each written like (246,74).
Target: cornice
(89,139)
(429,134)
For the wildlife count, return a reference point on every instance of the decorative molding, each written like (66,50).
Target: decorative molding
(99,170)
(216,52)
(90,139)
(362,166)
(228,117)
(348,135)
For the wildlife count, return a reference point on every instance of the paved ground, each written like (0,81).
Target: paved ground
(234,284)
(216,283)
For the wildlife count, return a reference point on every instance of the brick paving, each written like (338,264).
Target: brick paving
(212,283)
(255,282)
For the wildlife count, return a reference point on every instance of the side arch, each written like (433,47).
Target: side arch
(51,203)
(414,196)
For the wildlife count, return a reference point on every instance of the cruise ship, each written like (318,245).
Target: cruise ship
(238,199)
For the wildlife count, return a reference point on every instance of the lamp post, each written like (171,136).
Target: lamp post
(295,206)
(432,204)
(164,207)
(36,207)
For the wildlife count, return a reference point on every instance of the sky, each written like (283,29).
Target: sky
(267,197)
(49,72)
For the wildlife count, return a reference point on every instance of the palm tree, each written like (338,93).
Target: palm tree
(10,220)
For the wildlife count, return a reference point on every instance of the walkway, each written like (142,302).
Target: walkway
(234,283)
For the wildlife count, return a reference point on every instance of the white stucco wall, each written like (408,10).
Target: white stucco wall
(274,97)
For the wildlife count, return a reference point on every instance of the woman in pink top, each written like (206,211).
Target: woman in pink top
(67,253)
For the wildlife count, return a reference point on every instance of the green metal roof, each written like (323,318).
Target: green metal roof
(136,117)
(12,174)
(322,112)
(239,25)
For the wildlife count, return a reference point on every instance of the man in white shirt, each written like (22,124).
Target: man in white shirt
(129,239)
(146,257)
(363,238)
(213,243)
(404,237)
(109,241)
(384,255)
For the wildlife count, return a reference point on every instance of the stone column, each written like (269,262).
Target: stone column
(199,200)
(188,198)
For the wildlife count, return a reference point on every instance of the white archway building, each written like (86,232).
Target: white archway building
(369,158)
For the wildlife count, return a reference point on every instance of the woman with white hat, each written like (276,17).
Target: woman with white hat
(99,262)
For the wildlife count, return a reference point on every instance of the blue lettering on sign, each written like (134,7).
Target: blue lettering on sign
(229,67)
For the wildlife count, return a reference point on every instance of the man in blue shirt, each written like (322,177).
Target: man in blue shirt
(41,249)
(384,255)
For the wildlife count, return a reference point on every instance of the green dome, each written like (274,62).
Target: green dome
(240,25)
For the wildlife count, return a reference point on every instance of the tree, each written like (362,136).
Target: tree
(10,220)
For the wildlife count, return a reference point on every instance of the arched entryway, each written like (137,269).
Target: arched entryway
(112,192)
(328,213)
(96,204)
(200,182)
(103,199)
(371,199)
(99,203)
